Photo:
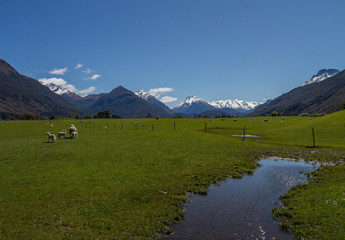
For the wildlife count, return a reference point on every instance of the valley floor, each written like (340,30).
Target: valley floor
(127,178)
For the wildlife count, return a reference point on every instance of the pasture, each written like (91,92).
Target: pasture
(128,178)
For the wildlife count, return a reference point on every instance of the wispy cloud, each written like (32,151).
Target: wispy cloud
(168,99)
(156,92)
(78,66)
(60,86)
(58,71)
(88,71)
(95,76)
(87,91)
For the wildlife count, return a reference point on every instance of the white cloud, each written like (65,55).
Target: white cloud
(88,71)
(157,91)
(56,81)
(168,99)
(78,66)
(87,91)
(95,76)
(60,86)
(58,71)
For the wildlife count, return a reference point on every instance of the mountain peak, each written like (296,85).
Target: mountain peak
(323,74)
(54,87)
(144,95)
(190,100)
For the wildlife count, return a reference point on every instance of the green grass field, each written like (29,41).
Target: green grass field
(128,178)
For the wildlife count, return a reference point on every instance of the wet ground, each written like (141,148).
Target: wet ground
(241,208)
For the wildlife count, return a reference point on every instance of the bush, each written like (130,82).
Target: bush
(115,116)
(30,116)
(275,114)
(103,114)
(87,116)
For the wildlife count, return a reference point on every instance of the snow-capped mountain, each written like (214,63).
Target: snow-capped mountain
(151,99)
(194,105)
(53,87)
(197,105)
(322,75)
(235,104)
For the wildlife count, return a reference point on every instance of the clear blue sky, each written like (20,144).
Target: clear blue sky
(245,49)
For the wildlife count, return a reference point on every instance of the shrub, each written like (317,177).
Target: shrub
(275,113)
(30,116)
(115,116)
(103,114)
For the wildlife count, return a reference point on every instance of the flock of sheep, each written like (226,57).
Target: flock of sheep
(73,132)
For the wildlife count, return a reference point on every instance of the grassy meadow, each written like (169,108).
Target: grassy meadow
(128,178)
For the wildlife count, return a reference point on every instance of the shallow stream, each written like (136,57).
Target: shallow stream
(241,208)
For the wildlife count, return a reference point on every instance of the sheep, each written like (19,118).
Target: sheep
(62,133)
(51,136)
(72,129)
(74,134)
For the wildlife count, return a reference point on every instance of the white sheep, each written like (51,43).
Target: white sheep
(51,136)
(74,134)
(63,133)
(72,129)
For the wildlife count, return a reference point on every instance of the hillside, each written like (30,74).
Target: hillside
(21,94)
(326,96)
(125,103)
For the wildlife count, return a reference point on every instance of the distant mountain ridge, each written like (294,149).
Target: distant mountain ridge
(195,105)
(325,96)
(20,94)
(323,74)
(125,103)
(151,99)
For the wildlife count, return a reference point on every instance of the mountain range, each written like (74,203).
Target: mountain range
(19,94)
(195,105)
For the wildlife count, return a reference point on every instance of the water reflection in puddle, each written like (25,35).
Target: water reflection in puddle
(246,135)
(241,208)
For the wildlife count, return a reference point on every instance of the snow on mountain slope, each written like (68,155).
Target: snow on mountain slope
(235,104)
(151,99)
(193,104)
(322,75)
(189,101)
(144,95)
(54,87)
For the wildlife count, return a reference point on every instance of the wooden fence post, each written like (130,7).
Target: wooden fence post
(244,132)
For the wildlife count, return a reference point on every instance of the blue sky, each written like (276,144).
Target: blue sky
(234,49)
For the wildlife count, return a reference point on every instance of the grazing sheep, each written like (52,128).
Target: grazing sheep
(71,129)
(63,133)
(74,134)
(51,136)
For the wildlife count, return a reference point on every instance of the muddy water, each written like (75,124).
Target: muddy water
(241,208)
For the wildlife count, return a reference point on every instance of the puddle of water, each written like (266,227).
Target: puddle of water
(241,208)
(247,135)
